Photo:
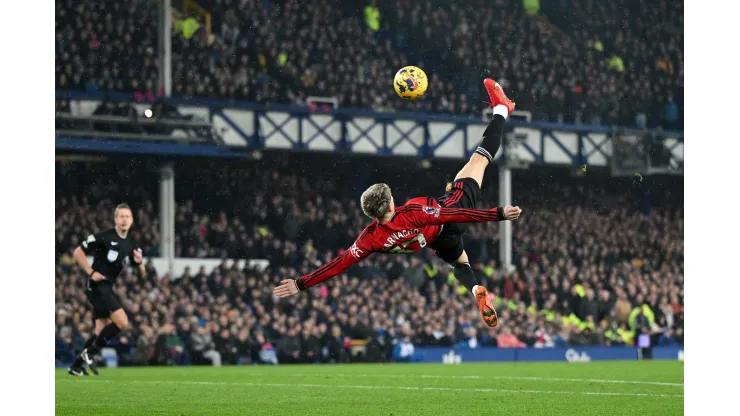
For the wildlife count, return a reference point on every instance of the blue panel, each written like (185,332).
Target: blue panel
(668,353)
(576,354)
(565,354)
(440,355)
(162,148)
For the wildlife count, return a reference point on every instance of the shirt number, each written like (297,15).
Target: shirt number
(401,249)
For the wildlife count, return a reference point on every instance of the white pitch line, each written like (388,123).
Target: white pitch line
(576,380)
(414,388)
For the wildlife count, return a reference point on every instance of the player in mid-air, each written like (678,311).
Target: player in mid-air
(426,221)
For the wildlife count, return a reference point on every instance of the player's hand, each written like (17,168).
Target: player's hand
(97,276)
(138,257)
(512,213)
(288,287)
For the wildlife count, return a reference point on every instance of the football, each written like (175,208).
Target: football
(410,83)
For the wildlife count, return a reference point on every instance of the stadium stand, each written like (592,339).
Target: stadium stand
(596,265)
(616,62)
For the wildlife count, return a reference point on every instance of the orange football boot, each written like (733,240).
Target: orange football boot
(486,306)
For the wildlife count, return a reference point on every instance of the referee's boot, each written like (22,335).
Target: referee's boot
(89,359)
(77,371)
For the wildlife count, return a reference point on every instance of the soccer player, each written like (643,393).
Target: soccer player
(426,221)
(111,250)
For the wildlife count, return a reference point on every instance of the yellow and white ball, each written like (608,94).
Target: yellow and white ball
(410,83)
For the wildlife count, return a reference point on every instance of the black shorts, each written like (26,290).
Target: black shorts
(463,193)
(103,300)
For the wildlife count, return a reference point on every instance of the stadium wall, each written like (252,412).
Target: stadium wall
(568,354)
(508,355)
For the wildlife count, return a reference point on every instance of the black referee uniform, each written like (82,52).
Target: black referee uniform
(111,253)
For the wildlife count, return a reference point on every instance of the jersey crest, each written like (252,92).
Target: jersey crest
(112,255)
(355,251)
(432,211)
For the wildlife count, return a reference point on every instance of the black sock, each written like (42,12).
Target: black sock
(89,343)
(492,138)
(464,274)
(108,333)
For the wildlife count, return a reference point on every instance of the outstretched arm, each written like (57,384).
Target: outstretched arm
(440,215)
(353,255)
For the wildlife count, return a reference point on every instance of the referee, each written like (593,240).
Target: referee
(112,250)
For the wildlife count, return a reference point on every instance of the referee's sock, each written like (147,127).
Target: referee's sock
(464,274)
(494,134)
(108,333)
(89,343)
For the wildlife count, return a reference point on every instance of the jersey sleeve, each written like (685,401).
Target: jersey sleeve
(357,252)
(92,242)
(426,215)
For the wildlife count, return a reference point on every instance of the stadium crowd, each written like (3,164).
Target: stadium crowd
(618,62)
(590,268)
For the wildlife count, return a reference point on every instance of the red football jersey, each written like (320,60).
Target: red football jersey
(410,229)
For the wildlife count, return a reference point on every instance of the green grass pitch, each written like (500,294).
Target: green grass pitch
(595,388)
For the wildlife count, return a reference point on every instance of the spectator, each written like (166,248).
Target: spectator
(333,349)
(403,351)
(289,347)
(267,354)
(470,339)
(125,348)
(310,348)
(169,348)
(244,348)
(589,307)
(508,340)
(203,347)
(144,352)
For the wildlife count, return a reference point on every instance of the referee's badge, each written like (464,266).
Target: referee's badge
(112,255)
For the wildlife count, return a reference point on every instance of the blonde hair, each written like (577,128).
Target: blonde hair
(376,200)
(120,207)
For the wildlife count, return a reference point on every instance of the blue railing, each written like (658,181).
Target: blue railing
(245,125)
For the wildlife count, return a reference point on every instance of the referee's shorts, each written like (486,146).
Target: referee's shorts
(102,299)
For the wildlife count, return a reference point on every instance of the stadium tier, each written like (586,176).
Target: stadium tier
(591,62)
(598,262)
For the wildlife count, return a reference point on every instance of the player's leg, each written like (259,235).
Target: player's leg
(492,136)
(465,275)
(463,272)
(87,355)
(76,369)
(101,315)
(475,168)
(120,319)
(117,321)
